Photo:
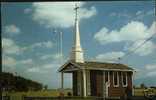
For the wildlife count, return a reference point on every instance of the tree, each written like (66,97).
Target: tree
(142,85)
(46,87)
(10,82)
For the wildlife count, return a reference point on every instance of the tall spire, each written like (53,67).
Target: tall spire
(77,53)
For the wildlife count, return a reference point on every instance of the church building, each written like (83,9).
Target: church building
(91,78)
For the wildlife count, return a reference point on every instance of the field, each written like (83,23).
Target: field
(53,93)
(43,93)
(140,92)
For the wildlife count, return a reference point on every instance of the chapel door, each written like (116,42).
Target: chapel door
(96,83)
(99,83)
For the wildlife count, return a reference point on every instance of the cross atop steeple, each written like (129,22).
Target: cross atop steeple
(76,8)
(77,53)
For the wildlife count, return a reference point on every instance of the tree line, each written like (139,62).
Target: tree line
(10,82)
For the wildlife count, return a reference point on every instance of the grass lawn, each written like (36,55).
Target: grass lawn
(53,93)
(43,93)
(140,92)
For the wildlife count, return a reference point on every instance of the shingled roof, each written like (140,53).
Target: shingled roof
(95,66)
(90,65)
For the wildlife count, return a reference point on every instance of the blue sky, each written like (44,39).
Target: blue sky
(108,30)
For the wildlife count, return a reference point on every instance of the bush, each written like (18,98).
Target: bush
(69,94)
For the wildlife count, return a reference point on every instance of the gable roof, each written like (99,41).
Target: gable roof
(97,66)
(89,65)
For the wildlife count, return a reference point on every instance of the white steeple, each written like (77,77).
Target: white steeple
(77,53)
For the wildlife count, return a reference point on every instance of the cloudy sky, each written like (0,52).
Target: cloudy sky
(109,30)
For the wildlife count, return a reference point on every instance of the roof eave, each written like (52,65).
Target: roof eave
(131,70)
(64,65)
(59,70)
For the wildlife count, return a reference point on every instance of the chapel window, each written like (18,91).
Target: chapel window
(124,79)
(115,79)
(106,76)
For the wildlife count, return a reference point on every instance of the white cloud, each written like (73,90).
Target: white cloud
(50,66)
(131,32)
(152,28)
(113,14)
(44,57)
(139,15)
(33,69)
(47,44)
(145,49)
(139,12)
(27,10)
(59,14)
(109,56)
(43,68)
(151,74)
(27,61)
(57,56)
(119,14)
(10,47)
(8,61)
(51,56)
(151,70)
(150,12)
(150,67)
(12,29)
(142,14)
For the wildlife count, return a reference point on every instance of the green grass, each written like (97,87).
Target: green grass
(140,92)
(53,93)
(44,93)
